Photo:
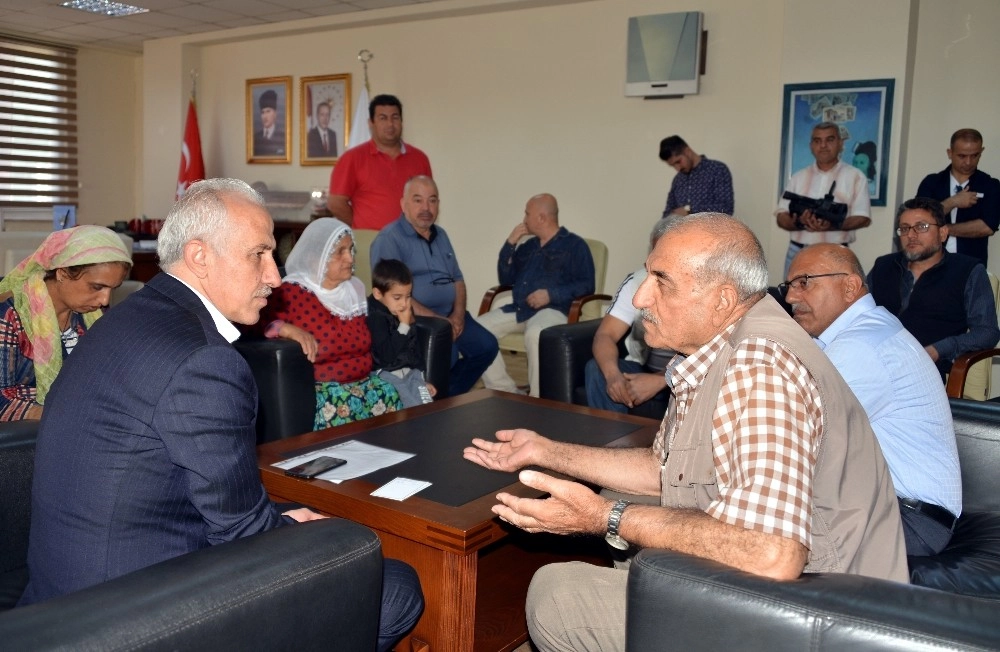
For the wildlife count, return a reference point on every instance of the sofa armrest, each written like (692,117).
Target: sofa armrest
(680,602)
(309,586)
(435,342)
(563,353)
(286,390)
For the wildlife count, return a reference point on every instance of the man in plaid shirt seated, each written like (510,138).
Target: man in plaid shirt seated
(749,463)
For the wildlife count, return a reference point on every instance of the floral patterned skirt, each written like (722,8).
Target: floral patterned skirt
(340,403)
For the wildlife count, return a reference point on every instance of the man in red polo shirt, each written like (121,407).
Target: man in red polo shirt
(367,183)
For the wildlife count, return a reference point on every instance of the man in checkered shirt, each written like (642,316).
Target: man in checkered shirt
(749,463)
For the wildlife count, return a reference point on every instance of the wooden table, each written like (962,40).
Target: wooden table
(474,568)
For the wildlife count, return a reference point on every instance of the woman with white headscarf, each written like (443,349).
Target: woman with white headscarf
(322,306)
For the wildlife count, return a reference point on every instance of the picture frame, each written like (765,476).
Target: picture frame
(324,97)
(862,109)
(274,95)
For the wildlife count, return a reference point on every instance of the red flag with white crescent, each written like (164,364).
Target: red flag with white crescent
(192,165)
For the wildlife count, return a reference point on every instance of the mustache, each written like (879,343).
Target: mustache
(648,316)
(264,292)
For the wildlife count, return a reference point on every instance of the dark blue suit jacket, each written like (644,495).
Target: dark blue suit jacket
(146,446)
(938,186)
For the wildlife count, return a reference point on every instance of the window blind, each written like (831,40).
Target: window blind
(38,144)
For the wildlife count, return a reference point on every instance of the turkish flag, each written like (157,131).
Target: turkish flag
(192,165)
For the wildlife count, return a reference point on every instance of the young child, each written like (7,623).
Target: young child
(395,348)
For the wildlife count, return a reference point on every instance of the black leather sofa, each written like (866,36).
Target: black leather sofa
(286,396)
(311,586)
(679,602)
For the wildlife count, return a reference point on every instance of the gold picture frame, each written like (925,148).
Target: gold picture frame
(274,95)
(329,97)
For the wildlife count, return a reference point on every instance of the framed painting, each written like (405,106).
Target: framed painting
(325,118)
(863,111)
(269,109)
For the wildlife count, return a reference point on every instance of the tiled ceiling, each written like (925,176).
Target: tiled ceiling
(47,20)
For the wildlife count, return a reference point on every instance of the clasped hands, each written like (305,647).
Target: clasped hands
(813,223)
(570,508)
(634,389)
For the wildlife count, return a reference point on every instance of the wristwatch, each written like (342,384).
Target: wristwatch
(614,519)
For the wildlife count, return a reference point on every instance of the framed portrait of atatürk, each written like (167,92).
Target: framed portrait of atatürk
(269,110)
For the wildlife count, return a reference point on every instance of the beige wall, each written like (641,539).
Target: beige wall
(954,86)
(109,118)
(526,100)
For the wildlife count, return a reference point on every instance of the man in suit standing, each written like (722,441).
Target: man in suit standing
(270,140)
(321,141)
(146,451)
(970,197)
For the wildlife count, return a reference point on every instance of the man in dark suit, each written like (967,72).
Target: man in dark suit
(321,141)
(270,140)
(970,197)
(146,449)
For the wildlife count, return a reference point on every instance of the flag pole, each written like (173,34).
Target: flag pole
(359,125)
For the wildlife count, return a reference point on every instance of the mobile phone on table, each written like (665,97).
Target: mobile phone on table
(315,466)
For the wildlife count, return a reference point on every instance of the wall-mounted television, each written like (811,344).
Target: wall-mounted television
(664,54)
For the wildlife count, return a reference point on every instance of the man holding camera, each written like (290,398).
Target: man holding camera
(828,175)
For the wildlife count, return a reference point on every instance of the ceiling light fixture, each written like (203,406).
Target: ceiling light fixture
(104,7)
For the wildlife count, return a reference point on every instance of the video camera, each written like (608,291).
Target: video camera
(833,212)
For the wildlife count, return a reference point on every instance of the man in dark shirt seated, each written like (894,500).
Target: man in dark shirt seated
(547,271)
(945,300)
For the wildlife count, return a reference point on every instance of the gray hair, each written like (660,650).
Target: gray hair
(201,215)
(658,230)
(422,179)
(823,126)
(736,256)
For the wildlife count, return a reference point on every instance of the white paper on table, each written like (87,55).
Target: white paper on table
(361,458)
(400,488)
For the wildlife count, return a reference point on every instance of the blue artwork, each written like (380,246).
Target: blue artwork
(862,110)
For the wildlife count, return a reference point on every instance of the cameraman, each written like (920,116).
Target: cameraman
(815,181)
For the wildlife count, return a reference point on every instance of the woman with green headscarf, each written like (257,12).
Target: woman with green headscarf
(50,299)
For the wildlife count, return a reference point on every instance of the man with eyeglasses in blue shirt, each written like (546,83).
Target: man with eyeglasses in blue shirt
(895,382)
(944,299)
(438,284)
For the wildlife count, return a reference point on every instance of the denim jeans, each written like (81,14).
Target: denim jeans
(473,351)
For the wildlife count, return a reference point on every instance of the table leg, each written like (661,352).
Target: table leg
(448,581)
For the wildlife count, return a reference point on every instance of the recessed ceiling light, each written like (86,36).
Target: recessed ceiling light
(104,7)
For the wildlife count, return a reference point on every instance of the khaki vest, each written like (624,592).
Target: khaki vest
(855,524)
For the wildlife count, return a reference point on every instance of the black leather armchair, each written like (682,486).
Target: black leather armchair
(676,601)
(563,354)
(308,586)
(286,393)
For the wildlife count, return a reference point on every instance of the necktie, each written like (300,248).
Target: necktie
(326,146)
(959,189)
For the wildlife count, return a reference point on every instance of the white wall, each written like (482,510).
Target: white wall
(109,116)
(954,86)
(530,99)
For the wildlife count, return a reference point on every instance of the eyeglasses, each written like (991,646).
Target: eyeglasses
(919,227)
(443,280)
(801,283)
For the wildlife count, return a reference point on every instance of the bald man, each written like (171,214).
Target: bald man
(547,271)
(895,381)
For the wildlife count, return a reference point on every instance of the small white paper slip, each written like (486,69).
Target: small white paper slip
(400,488)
